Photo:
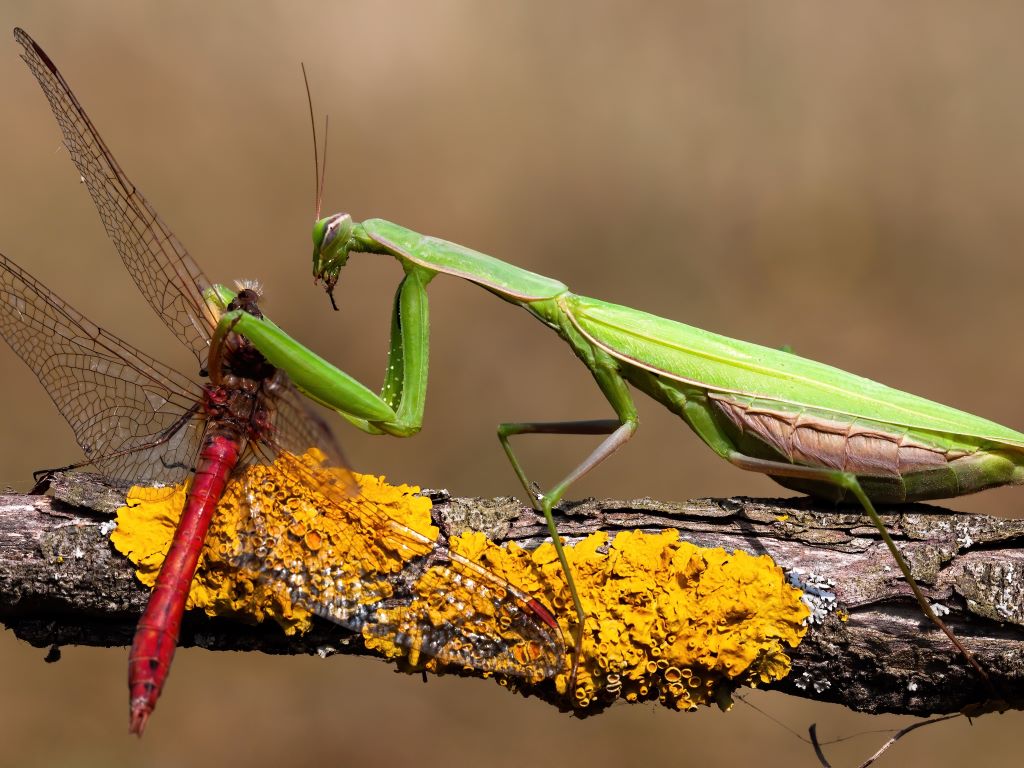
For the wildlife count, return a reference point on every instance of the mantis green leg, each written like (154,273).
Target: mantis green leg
(405,381)
(398,410)
(700,420)
(619,431)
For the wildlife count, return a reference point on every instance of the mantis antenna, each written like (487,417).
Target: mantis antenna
(319,171)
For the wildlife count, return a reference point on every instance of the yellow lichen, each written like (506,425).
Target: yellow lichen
(324,521)
(666,619)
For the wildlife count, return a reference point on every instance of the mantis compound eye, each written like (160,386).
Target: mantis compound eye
(334,232)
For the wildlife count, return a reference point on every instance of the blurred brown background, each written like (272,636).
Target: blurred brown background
(846,181)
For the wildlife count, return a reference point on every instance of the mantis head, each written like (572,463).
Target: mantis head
(331,243)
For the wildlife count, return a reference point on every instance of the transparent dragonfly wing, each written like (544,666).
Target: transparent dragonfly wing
(136,419)
(171,281)
(164,272)
(299,425)
(373,574)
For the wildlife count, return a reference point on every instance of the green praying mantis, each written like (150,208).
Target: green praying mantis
(810,427)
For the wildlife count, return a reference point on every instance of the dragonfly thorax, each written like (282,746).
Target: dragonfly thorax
(242,361)
(241,405)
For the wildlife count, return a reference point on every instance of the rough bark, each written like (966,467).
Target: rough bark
(61,583)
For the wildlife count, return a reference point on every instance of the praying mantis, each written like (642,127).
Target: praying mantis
(809,426)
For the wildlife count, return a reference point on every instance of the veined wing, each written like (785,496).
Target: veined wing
(349,561)
(171,281)
(135,418)
(298,426)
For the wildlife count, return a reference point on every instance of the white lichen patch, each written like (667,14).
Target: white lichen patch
(817,594)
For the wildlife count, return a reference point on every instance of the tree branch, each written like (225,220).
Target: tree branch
(62,583)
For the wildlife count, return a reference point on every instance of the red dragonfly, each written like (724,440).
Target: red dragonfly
(142,422)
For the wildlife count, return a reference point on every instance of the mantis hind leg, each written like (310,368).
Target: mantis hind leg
(618,432)
(849,482)
(698,418)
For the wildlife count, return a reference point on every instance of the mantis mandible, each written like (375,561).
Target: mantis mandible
(810,427)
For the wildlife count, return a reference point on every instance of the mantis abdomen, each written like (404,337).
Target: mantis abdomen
(893,465)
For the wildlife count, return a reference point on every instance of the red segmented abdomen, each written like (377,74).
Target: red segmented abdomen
(157,634)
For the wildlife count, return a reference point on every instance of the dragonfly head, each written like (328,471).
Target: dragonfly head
(217,298)
(247,299)
(331,243)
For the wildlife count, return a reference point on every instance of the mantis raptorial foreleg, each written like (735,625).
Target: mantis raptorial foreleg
(398,410)
(405,380)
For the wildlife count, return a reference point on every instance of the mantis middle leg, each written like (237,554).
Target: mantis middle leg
(619,431)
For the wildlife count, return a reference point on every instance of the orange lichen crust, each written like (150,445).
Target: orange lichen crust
(292,539)
(666,620)
(248,525)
